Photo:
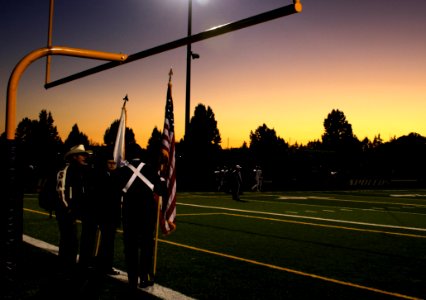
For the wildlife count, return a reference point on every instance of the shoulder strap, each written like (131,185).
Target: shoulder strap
(137,173)
(60,184)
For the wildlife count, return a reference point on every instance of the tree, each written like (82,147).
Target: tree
(345,149)
(111,133)
(263,139)
(407,156)
(203,129)
(40,137)
(268,150)
(48,138)
(154,146)
(39,145)
(201,148)
(338,132)
(25,132)
(76,137)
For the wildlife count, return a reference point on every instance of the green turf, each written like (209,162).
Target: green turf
(287,245)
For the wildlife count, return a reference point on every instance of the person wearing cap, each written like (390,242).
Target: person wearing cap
(74,185)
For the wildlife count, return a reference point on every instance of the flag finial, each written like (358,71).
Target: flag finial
(170,74)
(126,98)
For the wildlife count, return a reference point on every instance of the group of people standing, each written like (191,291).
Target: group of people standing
(103,198)
(231,180)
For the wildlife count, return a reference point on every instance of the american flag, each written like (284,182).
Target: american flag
(168,171)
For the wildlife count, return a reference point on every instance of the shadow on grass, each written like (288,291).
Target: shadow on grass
(39,278)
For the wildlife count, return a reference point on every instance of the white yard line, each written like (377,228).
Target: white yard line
(156,290)
(307,217)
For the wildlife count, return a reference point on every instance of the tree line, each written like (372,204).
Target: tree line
(338,160)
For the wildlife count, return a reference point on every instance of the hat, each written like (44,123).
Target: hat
(79,149)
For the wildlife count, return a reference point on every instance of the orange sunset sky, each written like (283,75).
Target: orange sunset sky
(365,58)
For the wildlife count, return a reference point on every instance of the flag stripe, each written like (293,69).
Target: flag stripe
(168,146)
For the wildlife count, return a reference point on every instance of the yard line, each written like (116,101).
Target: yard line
(201,214)
(287,215)
(354,201)
(293,271)
(305,217)
(407,195)
(38,212)
(156,290)
(344,208)
(314,224)
(165,293)
(330,226)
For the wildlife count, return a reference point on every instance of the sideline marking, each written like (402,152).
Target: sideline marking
(407,195)
(293,271)
(309,224)
(156,290)
(307,217)
(368,209)
(329,226)
(342,200)
(165,293)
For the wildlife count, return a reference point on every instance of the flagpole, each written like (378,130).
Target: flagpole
(160,199)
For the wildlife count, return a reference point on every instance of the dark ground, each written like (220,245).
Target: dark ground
(38,278)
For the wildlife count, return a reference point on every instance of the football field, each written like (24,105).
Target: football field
(286,245)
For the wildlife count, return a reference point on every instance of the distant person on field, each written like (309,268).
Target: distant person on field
(236,182)
(258,178)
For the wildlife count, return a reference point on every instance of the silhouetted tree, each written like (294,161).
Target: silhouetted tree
(201,148)
(408,157)
(153,148)
(338,132)
(345,149)
(76,137)
(264,140)
(26,131)
(39,145)
(111,133)
(269,151)
(203,129)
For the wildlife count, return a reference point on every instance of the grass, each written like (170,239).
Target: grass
(295,245)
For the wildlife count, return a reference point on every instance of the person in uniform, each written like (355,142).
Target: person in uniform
(236,182)
(73,186)
(258,178)
(139,184)
(108,215)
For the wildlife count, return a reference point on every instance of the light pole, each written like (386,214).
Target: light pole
(189,55)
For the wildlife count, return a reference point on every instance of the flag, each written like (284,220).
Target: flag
(168,171)
(119,150)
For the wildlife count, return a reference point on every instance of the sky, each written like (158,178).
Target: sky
(365,58)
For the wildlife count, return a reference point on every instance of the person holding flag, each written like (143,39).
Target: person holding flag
(140,185)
